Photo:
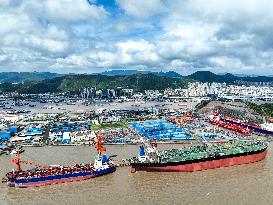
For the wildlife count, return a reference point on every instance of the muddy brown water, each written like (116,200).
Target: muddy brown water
(244,184)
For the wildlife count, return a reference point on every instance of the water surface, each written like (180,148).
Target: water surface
(244,184)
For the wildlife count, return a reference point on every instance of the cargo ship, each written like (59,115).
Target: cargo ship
(198,158)
(42,175)
(216,120)
(246,124)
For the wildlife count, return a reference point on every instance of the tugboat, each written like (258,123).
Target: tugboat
(198,158)
(48,175)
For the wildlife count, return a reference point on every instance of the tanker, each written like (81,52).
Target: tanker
(198,158)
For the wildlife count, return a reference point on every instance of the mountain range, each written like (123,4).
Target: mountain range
(202,76)
(73,83)
(20,77)
(35,82)
(207,76)
(171,74)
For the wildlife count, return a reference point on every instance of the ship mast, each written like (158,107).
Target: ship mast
(100,148)
(17,161)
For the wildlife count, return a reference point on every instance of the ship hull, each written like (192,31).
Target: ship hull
(249,126)
(201,164)
(50,180)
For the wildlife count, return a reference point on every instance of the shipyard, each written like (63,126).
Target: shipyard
(138,134)
(136,102)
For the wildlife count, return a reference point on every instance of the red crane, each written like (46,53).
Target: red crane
(17,160)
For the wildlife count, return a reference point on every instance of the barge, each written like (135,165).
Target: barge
(42,175)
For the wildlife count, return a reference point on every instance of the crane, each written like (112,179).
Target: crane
(17,160)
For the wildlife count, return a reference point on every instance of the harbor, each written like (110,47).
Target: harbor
(67,139)
(54,141)
(158,102)
(169,129)
(221,186)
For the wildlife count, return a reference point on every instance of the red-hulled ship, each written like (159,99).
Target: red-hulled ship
(216,120)
(246,124)
(198,158)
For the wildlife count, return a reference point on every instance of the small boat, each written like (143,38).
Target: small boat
(16,150)
(10,149)
(49,175)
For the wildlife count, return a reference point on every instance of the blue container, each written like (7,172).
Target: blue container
(14,129)
(5,135)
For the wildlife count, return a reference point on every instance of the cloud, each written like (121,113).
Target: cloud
(185,36)
(72,11)
(12,23)
(141,8)
(126,26)
(43,31)
(205,30)
(140,52)
(9,3)
(3,58)
(136,54)
(46,44)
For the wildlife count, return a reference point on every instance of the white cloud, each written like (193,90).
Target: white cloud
(133,52)
(41,30)
(72,60)
(223,61)
(14,23)
(190,35)
(71,10)
(46,44)
(141,8)
(124,26)
(3,58)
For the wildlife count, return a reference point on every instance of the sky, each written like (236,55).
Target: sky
(89,36)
